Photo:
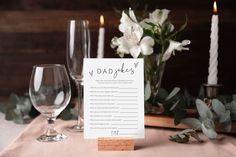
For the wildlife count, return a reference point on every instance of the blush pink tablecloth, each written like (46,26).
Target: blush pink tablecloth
(156,143)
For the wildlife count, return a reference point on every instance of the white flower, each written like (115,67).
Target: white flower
(157,17)
(132,42)
(174,45)
(127,21)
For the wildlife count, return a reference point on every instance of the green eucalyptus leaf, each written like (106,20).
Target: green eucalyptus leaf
(232,107)
(228,106)
(225,117)
(174,105)
(147,91)
(3,108)
(192,122)
(209,123)
(24,106)
(18,119)
(162,94)
(10,115)
(202,109)
(173,93)
(189,99)
(27,106)
(208,128)
(14,99)
(209,114)
(218,107)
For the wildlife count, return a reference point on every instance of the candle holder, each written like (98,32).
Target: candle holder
(211,91)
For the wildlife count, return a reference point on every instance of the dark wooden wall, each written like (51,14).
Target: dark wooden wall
(110,4)
(34,32)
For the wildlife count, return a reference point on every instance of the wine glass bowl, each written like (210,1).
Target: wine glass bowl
(50,93)
(78,48)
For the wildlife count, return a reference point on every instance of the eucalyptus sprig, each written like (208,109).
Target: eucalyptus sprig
(208,117)
(19,110)
(184,136)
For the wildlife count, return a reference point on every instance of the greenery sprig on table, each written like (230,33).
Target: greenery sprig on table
(222,110)
(19,110)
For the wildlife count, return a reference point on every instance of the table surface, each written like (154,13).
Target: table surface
(156,143)
(8,131)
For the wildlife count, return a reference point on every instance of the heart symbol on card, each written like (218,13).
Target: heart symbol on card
(136,64)
(91,73)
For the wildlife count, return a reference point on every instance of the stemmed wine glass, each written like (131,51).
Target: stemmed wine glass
(50,93)
(78,48)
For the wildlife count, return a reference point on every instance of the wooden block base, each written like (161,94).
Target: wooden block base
(115,144)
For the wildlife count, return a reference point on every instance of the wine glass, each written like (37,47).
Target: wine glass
(50,93)
(78,48)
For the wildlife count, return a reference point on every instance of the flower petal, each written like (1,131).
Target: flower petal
(114,42)
(123,47)
(174,45)
(138,31)
(159,16)
(135,51)
(132,15)
(186,42)
(171,27)
(125,22)
(146,45)
(144,24)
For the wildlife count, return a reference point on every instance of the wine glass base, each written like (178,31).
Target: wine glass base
(76,128)
(51,138)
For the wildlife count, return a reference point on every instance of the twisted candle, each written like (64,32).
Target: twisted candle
(213,62)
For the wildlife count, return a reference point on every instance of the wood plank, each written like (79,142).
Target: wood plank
(56,21)
(110,4)
(51,21)
(168,122)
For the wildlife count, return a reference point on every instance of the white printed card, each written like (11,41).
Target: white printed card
(113,98)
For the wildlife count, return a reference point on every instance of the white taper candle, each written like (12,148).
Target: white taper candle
(213,62)
(101,39)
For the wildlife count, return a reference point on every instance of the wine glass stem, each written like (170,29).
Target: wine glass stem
(80,104)
(51,127)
